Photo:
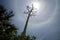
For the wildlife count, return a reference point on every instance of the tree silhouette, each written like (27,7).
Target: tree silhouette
(30,11)
(7,30)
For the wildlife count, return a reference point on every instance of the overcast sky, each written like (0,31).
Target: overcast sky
(45,25)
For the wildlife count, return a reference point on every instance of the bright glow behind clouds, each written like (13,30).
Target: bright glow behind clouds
(36,5)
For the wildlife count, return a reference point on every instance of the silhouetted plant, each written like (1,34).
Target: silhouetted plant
(7,30)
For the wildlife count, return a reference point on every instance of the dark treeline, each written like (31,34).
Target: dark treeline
(8,31)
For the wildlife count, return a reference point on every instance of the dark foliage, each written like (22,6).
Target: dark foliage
(7,30)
